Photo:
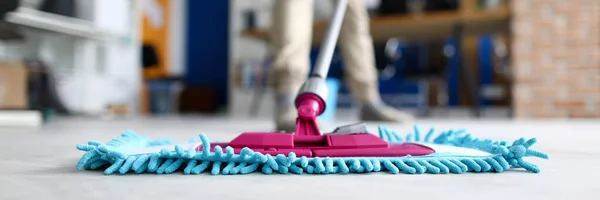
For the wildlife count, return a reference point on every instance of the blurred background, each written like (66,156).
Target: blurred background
(522,59)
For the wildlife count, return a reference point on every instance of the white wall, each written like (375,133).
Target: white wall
(177,37)
(92,75)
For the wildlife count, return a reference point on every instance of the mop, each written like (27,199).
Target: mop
(347,149)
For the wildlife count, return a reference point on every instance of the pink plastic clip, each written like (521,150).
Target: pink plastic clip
(309,107)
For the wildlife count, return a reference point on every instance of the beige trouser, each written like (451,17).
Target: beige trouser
(291,36)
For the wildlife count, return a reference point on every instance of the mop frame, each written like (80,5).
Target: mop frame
(113,159)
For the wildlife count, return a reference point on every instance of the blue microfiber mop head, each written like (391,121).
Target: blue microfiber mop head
(455,152)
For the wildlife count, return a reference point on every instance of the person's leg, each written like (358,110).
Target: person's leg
(359,65)
(291,36)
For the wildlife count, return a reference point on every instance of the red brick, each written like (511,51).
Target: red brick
(565,81)
(564,54)
(522,50)
(588,68)
(584,18)
(548,114)
(590,90)
(527,79)
(522,29)
(522,93)
(593,114)
(544,68)
(521,7)
(537,103)
(545,92)
(522,67)
(569,104)
(520,113)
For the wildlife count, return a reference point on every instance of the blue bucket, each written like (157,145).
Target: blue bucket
(162,96)
(333,86)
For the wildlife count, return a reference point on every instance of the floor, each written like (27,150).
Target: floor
(40,163)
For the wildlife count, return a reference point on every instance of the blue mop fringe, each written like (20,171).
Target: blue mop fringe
(111,158)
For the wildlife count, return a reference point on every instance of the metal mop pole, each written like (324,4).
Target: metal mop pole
(312,97)
(331,36)
(316,83)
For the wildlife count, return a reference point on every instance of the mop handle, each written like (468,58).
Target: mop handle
(312,96)
(329,42)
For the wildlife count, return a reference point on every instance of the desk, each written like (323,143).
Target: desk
(436,25)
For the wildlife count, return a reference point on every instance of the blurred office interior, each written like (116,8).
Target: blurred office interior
(468,59)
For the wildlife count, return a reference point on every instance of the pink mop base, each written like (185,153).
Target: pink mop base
(308,140)
(355,145)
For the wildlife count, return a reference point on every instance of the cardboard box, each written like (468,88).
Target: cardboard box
(13,85)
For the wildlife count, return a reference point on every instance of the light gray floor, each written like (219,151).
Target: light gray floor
(39,163)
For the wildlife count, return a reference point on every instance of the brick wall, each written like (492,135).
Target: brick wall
(556,58)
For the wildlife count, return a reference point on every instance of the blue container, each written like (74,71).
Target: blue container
(162,99)
(333,86)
